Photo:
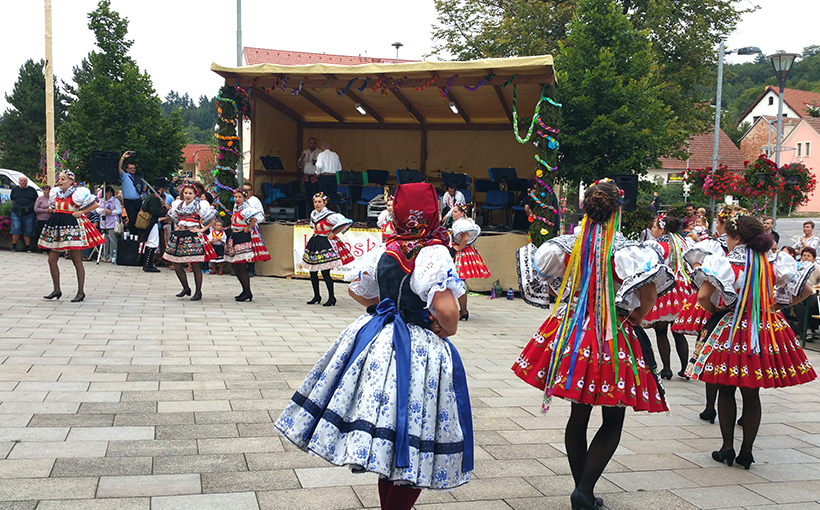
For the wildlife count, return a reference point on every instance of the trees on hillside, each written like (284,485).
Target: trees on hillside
(198,119)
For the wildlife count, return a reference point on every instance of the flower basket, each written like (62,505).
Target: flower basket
(799,184)
(761,180)
(720,182)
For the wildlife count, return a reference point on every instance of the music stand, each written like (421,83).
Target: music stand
(460,181)
(406,175)
(351,178)
(271,163)
(518,184)
(502,174)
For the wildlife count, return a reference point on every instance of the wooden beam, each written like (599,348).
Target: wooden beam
(267,98)
(322,106)
(407,126)
(423,155)
(300,140)
(319,82)
(451,97)
(407,104)
(369,109)
(503,102)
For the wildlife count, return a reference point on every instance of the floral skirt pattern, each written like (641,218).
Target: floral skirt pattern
(64,232)
(322,253)
(470,264)
(668,306)
(593,375)
(692,317)
(246,247)
(186,246)
(722,358)
(358,426)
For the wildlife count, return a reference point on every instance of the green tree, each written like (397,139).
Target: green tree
(115,106)
(614,118)
(24,123)
(198,119)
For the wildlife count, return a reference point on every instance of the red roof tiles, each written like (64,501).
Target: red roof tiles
(700,153)
(795,99)
(255,56)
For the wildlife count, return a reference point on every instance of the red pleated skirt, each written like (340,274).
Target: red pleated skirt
(692,317)
(668,306)
(470,264)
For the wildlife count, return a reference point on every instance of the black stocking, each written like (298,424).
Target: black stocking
(751,417)
(314,281)
(198,280)
(183,278)
(682,346)
(601,449)
(727,414)
(663,343)
(328,283)
(53,258)
(711,395)
(240,269)
(575,439)
(77,259)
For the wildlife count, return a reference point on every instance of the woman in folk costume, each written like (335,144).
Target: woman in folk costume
(748,344)
(467,259)
(591,350)
(69,230)
(390,396)
(324,250)
(665,229)
(187,242)
(244,242)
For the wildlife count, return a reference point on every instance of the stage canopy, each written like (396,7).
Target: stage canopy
(432,116)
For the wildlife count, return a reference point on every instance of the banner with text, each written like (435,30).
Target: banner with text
(358,240)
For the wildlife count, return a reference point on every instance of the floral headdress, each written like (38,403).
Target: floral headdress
(621,191)
(320,195)
(662,221)
(68,174)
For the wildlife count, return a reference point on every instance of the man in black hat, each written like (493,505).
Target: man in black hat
(154,204)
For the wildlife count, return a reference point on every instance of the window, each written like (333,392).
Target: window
(808,149)
(799,149)
(771,100)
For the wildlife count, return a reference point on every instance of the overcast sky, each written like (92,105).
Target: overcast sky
(176,40)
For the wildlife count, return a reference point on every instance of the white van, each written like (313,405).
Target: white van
(9,178)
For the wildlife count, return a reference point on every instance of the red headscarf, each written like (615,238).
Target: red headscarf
(417,223)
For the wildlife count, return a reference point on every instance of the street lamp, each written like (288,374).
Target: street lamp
(397,45)
(747,50)
(782,64)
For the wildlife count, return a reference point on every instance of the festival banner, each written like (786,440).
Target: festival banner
(358,240)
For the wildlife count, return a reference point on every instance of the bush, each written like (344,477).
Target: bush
(635,222)
(5,219)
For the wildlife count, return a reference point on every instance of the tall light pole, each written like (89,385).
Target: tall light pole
(397,45)
(782,64)
(748,50)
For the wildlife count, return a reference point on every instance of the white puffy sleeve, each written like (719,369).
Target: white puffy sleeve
(717,271)
(435,272)
(173,212)
(789,277)
(695,255)
(251,212)
(206,212)
(384,217)
(52,197)
(465,226)
(336,220)
(636,266)
(83,197)
(540,270)
(362,274)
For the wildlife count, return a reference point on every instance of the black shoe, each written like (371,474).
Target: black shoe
(185,292)
(666,374)
(196,297)
(244,297)
(708,415)
(682,373)
(464,317)
(330,302)
(78,298)
(581,502)
(13,247)
(251,274)
(56,294)
(727,456)
(151,269)
(316,299)
(599,502)
(745,459)
(740,422)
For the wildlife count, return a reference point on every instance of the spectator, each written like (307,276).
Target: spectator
(808,239)
(23,219)
(689,219)
(768,225)
(110,212)
(42,211)
(655,206)
(131,190)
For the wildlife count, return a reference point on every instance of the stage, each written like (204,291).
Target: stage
(496,248)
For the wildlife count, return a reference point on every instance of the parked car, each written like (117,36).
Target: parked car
(9,178)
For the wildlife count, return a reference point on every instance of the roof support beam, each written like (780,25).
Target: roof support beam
(452,98)
(503,102)
(407,104)
(407,126)
(317,82)
(279,106)
(369,109)
(322,106)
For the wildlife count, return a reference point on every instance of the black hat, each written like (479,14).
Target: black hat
(160,182)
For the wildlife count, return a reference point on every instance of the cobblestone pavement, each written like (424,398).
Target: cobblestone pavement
(134,399)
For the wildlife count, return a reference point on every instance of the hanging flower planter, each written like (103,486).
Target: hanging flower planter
(761,180)
(799,184)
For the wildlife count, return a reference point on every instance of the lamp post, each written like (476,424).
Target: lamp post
(397,45)
(748,50)
(782,64)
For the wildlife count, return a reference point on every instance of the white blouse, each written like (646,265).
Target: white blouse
(183,214)
(468,226)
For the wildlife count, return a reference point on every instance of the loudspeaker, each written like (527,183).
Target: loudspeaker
(104,166)
(128,252)
(628,183)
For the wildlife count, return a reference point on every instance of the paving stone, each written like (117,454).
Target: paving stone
(333,477)
(237,501)
(152,448)
(238,417)
(283,460)
(152,419)
(643,500)
(197,431)
(322,498)
(18,505)
(721,497)
(26,468)
(33,434)
(495,488)
(648,480)
(98,504)
(220,463)
(150,485)
(159,376)
(240,445)
(48,488)
(118,407)
(71,420)
(102,466)
(787,492)
(111,434)
(56,449)
(193,406)
(249,481)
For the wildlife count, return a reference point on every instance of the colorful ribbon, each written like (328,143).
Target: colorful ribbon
(447,88)
(432,81)
(480,84)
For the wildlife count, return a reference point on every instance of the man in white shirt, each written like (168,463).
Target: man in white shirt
(327,164)
(449,199)
(307,162)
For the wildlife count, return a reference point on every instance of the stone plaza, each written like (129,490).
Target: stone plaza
(135,399)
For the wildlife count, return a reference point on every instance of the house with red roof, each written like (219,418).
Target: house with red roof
(796,104)
(803,144)
(198,158)
(761,138)
(253,56)
(700,148)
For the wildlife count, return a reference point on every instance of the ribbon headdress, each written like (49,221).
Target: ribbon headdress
(417,223)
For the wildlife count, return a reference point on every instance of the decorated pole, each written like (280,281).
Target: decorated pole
(49,100)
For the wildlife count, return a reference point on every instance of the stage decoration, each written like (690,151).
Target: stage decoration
(515,117)
(398,83)
(510,81)
(344,90)
(543,196)
(364,85)
(545,212)
(323,88)
(447,88)
(546,127)
(232,104)
(296,92)
(480,84)
(432,81)
(550,168)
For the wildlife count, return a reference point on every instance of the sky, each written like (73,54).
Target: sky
(176,41)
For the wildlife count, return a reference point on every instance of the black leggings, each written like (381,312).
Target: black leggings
(587,464)
(314,280)
(240,269)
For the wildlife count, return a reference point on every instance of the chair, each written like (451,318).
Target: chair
(467,195)
(495,200)
(368,193)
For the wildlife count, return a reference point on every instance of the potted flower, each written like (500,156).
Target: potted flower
(762,179)
(800,183)
(720,182)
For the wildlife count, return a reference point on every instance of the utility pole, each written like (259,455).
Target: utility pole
(49,99)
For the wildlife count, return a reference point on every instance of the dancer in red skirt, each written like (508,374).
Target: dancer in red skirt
(244,244)
(324,250)
(187,243)
(592,350)
(69,230)
(467,259)
(665,229)
(748,344)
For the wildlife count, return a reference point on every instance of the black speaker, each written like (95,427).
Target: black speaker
(628,183)
(128,252)
(104,166)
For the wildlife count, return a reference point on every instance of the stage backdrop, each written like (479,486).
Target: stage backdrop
(358,240)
